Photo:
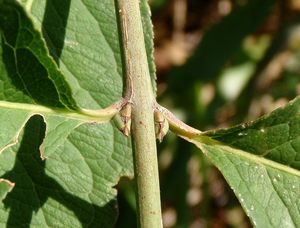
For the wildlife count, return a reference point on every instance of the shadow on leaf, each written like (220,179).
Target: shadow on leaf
(54,26)
(37,194)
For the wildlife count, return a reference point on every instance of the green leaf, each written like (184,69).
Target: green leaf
(57,57)
(82,37)
(23,55)
(87,47)
(73,186)
(261,162)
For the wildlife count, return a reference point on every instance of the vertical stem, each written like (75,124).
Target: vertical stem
(140,94)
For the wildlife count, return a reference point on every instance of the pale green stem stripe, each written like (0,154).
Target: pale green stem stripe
(142,100)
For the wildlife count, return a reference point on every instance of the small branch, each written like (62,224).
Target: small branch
(139,92)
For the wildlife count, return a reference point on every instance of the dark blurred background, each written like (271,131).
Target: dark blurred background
(219,63)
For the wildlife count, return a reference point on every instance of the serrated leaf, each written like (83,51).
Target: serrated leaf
(56,56)
(260,161)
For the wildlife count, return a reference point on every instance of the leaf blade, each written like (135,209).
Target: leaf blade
(25,47)
(266,181)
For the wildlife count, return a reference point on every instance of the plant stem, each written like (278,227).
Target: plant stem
(142,100)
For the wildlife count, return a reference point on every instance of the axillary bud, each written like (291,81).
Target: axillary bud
(123,119)
(161,125)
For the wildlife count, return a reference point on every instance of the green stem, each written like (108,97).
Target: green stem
(142,100)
